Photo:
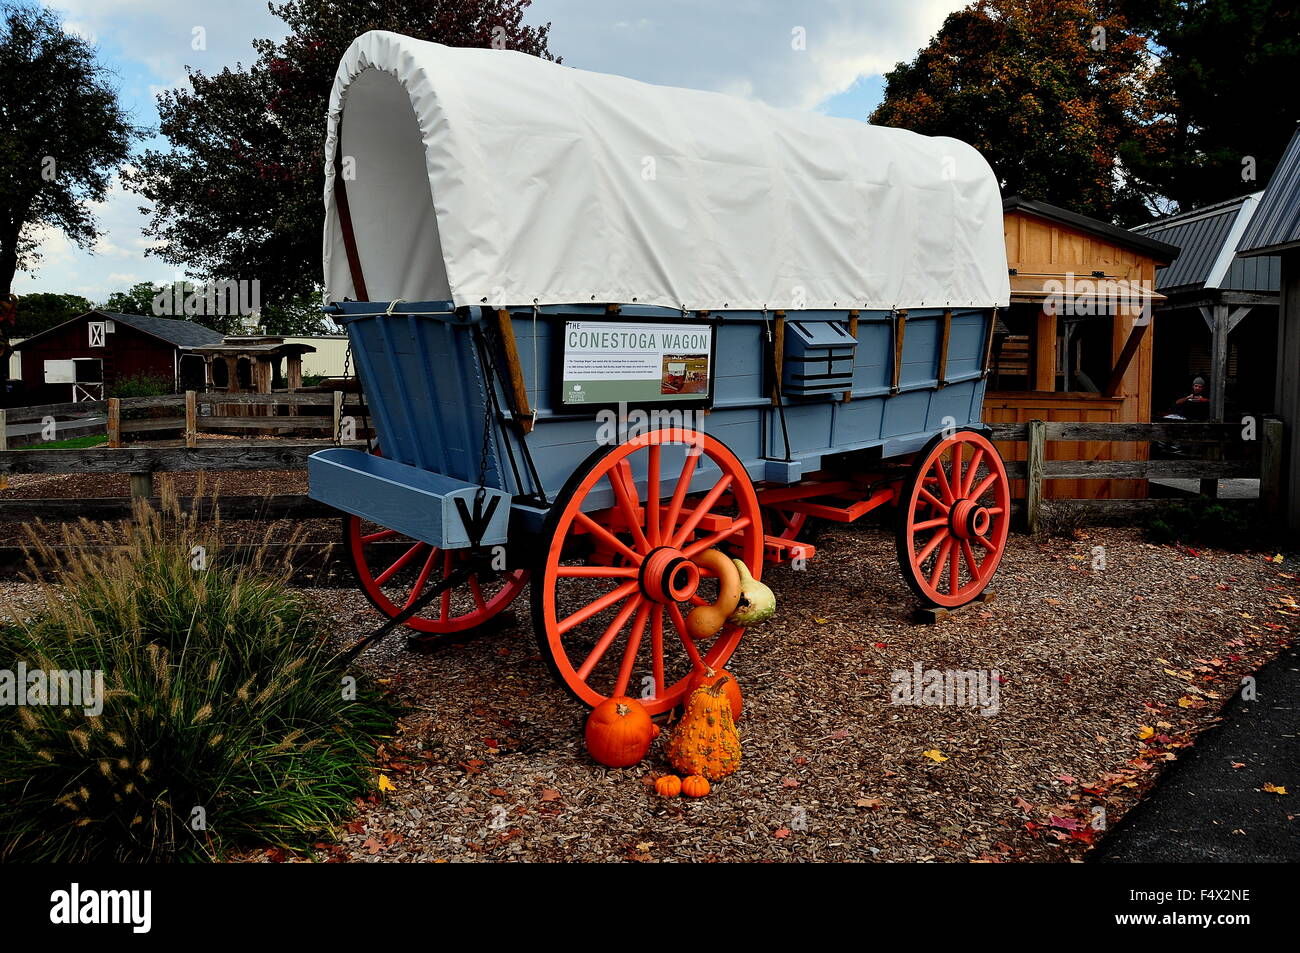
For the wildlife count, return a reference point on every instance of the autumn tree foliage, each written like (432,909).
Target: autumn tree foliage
(1049,91)
(238,194)
(1222,95)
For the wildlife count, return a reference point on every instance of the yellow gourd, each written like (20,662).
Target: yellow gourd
(706,621)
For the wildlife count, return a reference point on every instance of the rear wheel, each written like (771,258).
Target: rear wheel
(954,515)
(393,570)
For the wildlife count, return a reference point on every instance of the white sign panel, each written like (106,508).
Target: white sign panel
(97,333)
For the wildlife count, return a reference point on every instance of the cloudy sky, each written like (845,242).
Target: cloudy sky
(747,48)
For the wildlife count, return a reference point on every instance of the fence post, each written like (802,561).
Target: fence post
(114,422)
(1036,432)
(1271,454)
(191,419)
(141,486)
(338,415)
(4,445)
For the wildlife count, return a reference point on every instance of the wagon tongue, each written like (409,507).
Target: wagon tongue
(455,578)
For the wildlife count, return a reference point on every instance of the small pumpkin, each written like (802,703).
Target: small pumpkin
(705,741)
(706,621)
(619,732)
(703,677)
(695,786)
(670,785)
(655,730)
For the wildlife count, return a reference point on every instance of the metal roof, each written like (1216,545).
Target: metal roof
(1152,248)
(1208,239)
(172,330)
(1276,225)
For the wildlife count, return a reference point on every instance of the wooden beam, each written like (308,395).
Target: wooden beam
(4,445)
(114,426)
(1043,351)
(900,334)
(987,364)
(249,455)
(942,372)
(853,332)
(1135,336)
(519,403)
(1272,451)
(778,353)
(1034,465)
(191,419)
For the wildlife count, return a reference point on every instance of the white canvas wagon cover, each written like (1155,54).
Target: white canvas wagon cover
(491,176)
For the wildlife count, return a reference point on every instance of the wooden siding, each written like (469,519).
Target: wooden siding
(1040,247)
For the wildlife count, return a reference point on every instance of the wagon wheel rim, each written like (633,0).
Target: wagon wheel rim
(956,514)
(394,580)
(783,524)
(606,630)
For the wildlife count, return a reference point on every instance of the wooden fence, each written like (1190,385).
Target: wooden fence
(1227,455)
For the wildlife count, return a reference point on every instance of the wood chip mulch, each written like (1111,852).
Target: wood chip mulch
(1104,676)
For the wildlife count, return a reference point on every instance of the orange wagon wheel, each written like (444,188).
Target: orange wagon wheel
(955,511)
(620,629)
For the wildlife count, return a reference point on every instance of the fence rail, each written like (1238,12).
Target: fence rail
(1263,459)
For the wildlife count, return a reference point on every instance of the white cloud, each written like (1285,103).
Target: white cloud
(744,48)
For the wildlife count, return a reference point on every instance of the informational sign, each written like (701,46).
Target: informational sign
(611,362)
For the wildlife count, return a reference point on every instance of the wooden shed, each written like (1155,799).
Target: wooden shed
(1075,344)
(85,357)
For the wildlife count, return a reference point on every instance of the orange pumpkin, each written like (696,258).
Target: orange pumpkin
(705,740)
(695,786)
(704,677)
(670,785)
(619,732)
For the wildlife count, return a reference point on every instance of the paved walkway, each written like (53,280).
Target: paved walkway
(1204,809)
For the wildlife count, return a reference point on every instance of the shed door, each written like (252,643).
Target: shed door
(60,372)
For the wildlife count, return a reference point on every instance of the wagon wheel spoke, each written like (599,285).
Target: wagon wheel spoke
(969,555)
(657,647)
(606,536)
(932,545)
(944,552)
(941,479)
(652,496)
(934,501)
(597,606)
(376,537)
(597,572)
(698,512)
(976,458)
(422,578)
(931,524)
(608,636)
(679,623)
(679,493)
(621,480)
(633,647)
(983,487)
(402,560)
(700,545)
(477,591)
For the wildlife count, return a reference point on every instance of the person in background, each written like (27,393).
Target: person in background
(1196,405)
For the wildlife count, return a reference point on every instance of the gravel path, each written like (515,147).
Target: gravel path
(1104,675)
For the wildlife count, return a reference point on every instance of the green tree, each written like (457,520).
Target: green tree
(238,195)
(138,299)
(1047,90)
(62,136)
(43,310)
(1219,94)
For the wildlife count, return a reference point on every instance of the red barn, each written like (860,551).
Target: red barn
(81,358)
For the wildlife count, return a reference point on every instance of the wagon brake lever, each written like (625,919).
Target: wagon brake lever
(454,578)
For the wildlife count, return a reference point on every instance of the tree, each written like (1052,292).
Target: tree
(238,196)
(1224,67)
(1047,90)
(43,310)
(62,136)
(136,300)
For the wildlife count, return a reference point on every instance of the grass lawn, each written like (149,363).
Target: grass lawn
(76,443)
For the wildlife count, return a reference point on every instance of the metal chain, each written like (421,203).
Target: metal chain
(347,364)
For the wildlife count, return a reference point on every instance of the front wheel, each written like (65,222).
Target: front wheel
(954,515)
(609,602)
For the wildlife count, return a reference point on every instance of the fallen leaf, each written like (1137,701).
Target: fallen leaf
(935,755)
(1145,732)
(872,802)
(372,846)
(550,794)
(1275,788)
(790,782)
(1238,764)
(385,784)
(781,833)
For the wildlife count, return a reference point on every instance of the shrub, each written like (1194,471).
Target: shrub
(1202,521)
(220,694)
(1064,522)
(141,385)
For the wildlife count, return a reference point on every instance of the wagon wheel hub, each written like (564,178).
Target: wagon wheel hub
(668,575)
(968,520)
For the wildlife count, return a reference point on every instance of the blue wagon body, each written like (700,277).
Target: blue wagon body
(423,366)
